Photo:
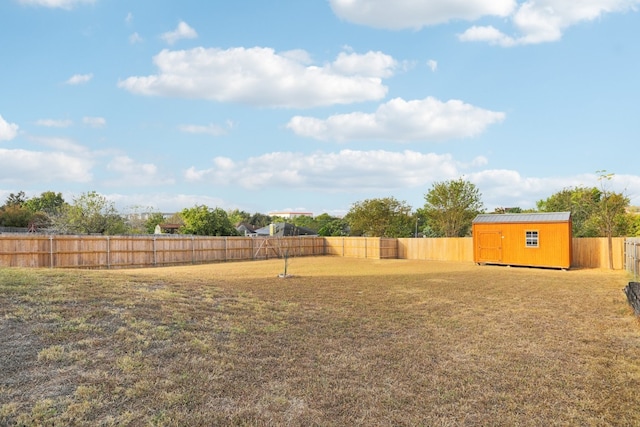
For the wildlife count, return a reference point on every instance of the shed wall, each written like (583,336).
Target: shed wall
(553,250)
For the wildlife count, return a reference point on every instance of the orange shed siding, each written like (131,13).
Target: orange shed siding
(505,243)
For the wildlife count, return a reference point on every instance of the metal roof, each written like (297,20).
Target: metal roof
(523,217)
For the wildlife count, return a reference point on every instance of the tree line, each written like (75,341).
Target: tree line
(448,211)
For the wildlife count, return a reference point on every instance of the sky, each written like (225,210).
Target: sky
(315,105)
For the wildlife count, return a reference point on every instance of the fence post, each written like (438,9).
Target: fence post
(193,250)
(155,256)
(108,254)
(50,251)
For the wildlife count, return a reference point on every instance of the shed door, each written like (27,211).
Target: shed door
(489,246)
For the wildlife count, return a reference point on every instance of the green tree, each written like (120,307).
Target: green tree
(90,213)
(334,227)
(237,216)
(260,220)
(14,213)
(45,207)
(15,216)
(305,221)
(48,202)
(327,225)
(204,221)
(507,210)
(152,221)
(634,227)
(386,217)
(450,207)
(582,202)
(16,199)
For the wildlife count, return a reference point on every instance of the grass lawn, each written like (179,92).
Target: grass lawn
(342,342)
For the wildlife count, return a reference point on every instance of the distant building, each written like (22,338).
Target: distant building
(146,215)
(290,214)
(246,229)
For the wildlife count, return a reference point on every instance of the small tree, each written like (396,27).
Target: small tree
(45,207)
(335,227)
(16,199)
(450,208)
(610,215)
(48,202)
(386,217)
(15,216)
(90,213)
(204,221)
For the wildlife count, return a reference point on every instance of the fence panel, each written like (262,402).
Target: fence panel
(129,252)
(18,251)
(632,256)
(361,247)
(437,249)
(388,249)
(593,252)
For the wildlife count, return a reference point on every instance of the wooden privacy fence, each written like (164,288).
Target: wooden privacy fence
(632,256)
(58,251)
(362,247)
(593,252)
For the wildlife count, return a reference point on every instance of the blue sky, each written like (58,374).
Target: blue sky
(314,105)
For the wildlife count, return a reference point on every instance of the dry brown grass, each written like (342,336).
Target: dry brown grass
(343,342)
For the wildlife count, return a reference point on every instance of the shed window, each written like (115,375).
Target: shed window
(531,239)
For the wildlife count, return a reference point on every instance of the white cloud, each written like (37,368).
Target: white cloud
(183,31)
(22,167)
(61,144)
(487,34)
(129,18)
(433,64)
(135,38)
(535,21)
(8,131)
(211,129)
(60,4)
(399,14)
(508,188)
(78,79)
(95,122)
(259,76)
(134,174)
(543,21)
(167,202)
(344,171)
(398,120)
(371,64)
(51,123)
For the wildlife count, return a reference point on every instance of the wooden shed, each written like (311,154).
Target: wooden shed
(524,239)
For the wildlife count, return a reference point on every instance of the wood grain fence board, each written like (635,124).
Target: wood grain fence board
(632,256)
(593,252)
(26,250)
